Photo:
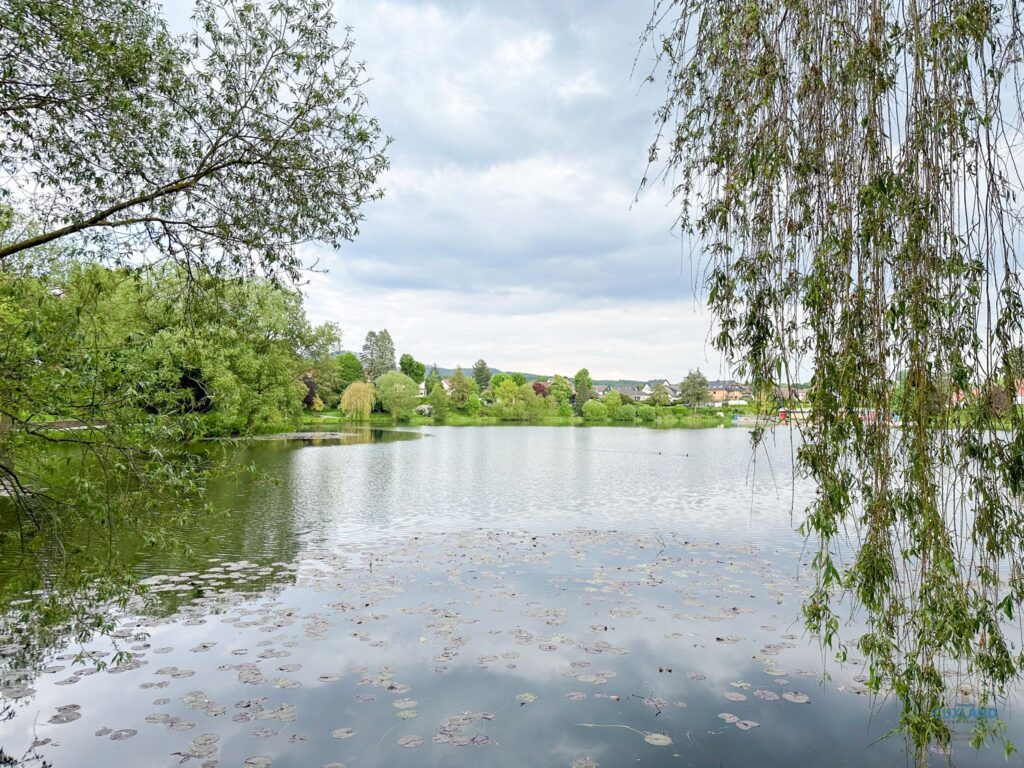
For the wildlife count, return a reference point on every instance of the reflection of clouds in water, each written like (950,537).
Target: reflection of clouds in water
(476,594)
(541,479)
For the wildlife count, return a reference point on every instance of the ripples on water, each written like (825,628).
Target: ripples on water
(506,596)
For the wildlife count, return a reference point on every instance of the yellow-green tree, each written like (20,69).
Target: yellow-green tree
(358,399)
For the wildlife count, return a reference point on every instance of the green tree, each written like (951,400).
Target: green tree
(438,401)
(832,241)
(349,370)
(594,410)
(229,146)
(584,388)
(660,395)
(481,374)
(412,368)
(433,378)
(378,356)
(505,390)
(398,394)
(612,400)
(462,388)
(358,399)
(560,390)
(694,390)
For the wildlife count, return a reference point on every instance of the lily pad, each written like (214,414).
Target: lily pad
(658,739)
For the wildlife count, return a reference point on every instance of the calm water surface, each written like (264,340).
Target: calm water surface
(498,596)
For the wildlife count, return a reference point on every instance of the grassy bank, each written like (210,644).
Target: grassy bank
(665,419)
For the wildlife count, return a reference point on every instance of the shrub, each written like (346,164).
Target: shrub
(595,411)
(624,413)
(646,413)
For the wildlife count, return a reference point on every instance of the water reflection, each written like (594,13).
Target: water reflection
(368,606)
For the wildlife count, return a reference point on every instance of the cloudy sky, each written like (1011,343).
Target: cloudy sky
(509,229)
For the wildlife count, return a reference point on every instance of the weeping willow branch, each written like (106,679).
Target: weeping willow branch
(851,171)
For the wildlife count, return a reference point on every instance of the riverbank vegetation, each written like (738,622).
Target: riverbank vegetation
(156,190)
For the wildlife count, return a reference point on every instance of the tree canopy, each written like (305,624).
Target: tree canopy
(412,367)
(694,388)
(229,146)
(481,374)
(398,394)
(850,173)
(378,356)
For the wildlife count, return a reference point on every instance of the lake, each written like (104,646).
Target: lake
(504,596)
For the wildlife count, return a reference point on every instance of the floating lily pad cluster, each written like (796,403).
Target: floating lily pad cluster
(538,629)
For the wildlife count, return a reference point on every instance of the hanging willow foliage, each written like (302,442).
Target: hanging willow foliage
(851,170)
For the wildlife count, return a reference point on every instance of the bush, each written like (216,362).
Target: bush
(624,413)
(595,411)
(565,410)
(646,413)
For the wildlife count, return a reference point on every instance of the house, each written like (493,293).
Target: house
(600,390)
(724,390)
(1019,397)
(631,394)
(649,387)
(423,389)
(446,385)
(792,394)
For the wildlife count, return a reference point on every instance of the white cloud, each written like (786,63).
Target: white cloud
(508,230)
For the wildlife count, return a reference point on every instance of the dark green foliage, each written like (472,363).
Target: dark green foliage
(584,389)
(412,368)
(482,375)
(378,356)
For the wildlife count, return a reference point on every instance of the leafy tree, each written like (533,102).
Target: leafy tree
(433,378)
(378,355)
(462,388)
(847,169)
(594,410)
(560,390)
(230,146)
(540,388)
(348,370)
(612,400)
(398,394)
(438,402)
(481,374)
(584,388)
(694,390)
(412,368)
(660,395)
(140,368)
(358,399)
(505,390)
(473,404)
(516,378)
